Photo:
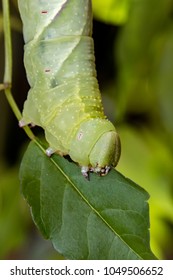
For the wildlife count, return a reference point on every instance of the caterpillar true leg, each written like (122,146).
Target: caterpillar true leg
(50,151)
(85,171)
(22,123)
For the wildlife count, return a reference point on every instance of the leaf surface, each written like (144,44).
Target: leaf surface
(104,218)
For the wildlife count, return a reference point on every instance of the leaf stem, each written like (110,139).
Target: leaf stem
(7,38)
(6,86)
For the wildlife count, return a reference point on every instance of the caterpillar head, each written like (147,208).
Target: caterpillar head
(96,146)
(105,153)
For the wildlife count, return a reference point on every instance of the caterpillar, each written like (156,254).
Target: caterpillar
(64,98)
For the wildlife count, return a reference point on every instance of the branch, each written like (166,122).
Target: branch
(6,86)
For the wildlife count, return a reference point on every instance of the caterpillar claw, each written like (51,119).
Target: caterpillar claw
(101,171)
(22,123)
(104,171)
(50,151)
(85,172)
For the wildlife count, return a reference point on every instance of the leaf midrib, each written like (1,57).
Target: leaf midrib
(85,199)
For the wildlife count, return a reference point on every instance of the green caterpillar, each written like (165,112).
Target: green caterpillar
(64,98)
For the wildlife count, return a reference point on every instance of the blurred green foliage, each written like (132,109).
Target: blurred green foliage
(111,11)
(13,214)
(138,97)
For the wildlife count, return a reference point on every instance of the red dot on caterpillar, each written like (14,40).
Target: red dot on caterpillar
(44,12)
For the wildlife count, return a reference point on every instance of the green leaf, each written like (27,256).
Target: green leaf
(111,11)
(104,218)
(148,152)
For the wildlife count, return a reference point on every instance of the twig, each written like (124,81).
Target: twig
(8,67)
